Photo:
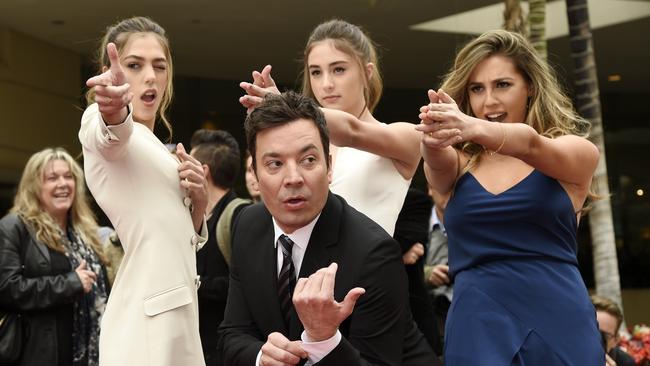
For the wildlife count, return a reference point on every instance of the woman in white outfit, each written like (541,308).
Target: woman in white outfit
(373,162)
(155,202)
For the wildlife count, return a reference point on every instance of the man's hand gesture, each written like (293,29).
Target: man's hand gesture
(319,312)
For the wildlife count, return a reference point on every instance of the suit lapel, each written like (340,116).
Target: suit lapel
(320,250)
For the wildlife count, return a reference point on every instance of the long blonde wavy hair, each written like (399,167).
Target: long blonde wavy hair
(120,33)
(352,40)
(550,110)
(28,206)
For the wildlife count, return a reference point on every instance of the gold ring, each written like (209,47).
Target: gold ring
(430,134)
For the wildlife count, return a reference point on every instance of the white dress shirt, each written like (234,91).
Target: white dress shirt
(316,350)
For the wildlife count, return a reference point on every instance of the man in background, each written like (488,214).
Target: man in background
(219,155)
(610,318)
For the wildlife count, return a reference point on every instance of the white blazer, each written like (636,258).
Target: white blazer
(151,317)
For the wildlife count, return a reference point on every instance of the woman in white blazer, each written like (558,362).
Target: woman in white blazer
(155,201)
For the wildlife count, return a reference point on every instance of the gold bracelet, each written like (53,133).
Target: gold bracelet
(503,142)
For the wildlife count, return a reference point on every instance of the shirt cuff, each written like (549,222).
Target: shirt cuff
(257,359)
(199,239)
(318,350)
(117,132)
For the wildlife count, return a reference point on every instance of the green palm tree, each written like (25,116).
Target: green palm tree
(588,105)
(537,25)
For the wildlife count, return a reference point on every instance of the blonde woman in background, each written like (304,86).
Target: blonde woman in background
(51,264)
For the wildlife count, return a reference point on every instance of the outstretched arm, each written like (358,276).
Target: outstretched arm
(396,141)
(107,125)
(570,159)
(441,160)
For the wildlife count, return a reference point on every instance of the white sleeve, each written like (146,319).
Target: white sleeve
(199,239)
(108,141)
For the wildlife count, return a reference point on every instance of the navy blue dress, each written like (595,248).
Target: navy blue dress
(519,298)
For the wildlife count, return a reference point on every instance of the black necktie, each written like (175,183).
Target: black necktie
(286,278)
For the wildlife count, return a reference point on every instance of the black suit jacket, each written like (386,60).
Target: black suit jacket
(213,269)
(380,330)
(621,357)
(31,285)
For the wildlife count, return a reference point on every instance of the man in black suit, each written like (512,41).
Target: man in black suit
(219,155)
(339,254)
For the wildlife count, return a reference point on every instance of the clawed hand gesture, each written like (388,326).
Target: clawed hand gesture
(262,84)
(190,172)
(112,92)
(442,121)
(319,312)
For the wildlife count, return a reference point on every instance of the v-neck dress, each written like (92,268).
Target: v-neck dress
(519,298)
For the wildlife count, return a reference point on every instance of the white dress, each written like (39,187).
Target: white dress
(371,184)
(151,317)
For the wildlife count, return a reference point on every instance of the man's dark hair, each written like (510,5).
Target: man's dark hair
(220,151)
(277,110)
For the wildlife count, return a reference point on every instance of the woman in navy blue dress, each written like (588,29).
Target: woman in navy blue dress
(507,152)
